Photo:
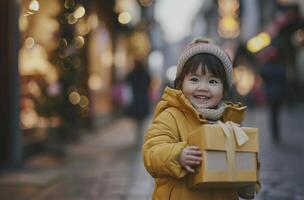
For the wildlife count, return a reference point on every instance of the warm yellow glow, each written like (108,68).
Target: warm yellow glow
(23,23)
(45,31)
(79,42)
(124,18)
(120,59)
(106,59)
(34,88)
(34,5)
(140,44)
(29,42)
(244,79)
(50,8)
(82,27)
(228,6)
(53,25)
(79,12)
(95,82)
(229,23)
(84,101)
(74,98)
(28,13)
(29,117)
(93,20)
(35,61)
(258,42)
(229,27)
(122,5)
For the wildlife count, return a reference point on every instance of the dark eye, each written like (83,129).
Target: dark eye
(213,81)
(194,79)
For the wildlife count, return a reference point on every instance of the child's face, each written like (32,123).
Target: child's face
(203,90)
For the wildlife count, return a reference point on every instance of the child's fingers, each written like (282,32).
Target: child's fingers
(194,152)
(193,162)
(189,169)
(193,157)
(192,147)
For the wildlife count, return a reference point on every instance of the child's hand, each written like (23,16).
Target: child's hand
(190,156)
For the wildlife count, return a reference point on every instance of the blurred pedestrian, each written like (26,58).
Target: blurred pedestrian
(273,73)
(138,81)
(203,78)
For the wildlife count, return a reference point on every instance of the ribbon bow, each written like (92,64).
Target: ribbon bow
(231,127)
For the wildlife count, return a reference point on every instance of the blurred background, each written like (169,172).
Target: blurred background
(73,118)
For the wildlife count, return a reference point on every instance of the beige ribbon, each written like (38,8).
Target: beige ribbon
(241,137)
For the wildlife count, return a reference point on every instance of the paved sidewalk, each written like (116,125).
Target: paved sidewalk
(282,163)
(105,165)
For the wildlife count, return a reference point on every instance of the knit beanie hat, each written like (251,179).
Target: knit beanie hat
(199,46)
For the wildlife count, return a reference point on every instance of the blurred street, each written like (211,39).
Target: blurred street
(104,165)
(281,163)
(107,165)
(75,73)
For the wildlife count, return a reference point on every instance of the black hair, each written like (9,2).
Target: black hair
(211,62)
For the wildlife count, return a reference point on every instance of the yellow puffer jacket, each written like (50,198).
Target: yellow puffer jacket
(173,120)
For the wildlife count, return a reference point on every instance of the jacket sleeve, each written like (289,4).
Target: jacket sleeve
(162,147)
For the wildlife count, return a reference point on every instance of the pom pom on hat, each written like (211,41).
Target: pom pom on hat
(201,45)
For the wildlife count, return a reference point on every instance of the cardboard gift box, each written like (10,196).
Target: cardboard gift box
(229,157)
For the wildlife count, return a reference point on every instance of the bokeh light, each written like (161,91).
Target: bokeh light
(34,5)
(171,73)
(258,42)
(124,18)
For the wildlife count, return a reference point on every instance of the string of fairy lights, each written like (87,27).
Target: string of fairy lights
(63,96)
(54,36)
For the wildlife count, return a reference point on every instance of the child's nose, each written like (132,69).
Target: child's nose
(202,86)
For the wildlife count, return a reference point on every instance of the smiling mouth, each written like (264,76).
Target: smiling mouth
(201,97)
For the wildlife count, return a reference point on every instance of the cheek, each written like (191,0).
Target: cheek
(187,89)
(218,91)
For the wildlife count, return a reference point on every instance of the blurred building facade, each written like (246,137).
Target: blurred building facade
(60,62)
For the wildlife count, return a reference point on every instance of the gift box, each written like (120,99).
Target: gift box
(229,155)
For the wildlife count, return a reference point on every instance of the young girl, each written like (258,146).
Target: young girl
(204,76)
